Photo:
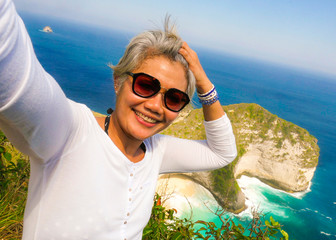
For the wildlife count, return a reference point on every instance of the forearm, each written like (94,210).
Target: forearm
(181,155)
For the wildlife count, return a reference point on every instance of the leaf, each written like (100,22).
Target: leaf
(2,135)
(146,231)
(177,236)
(7,155)
(285,234)
(201,222)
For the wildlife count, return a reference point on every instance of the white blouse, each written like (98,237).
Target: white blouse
(81,184)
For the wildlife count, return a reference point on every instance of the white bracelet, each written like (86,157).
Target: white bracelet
(208,98)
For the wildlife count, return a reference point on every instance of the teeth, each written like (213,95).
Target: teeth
(144,117)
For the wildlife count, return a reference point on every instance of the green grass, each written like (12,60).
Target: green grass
(14,175)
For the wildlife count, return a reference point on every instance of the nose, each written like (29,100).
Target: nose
(155,104)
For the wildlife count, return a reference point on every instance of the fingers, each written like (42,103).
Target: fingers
(194,65)
(187,52)
(184,52)
(190,56)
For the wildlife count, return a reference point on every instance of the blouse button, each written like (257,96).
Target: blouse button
(131,174)
(128,214)
(130,199)
(125,222)
(130,189)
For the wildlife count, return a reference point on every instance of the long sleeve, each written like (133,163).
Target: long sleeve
(181,155)
(34,112)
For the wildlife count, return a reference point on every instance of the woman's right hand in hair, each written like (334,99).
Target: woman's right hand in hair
(203,84)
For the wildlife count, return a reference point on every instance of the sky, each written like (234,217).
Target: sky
(291,32)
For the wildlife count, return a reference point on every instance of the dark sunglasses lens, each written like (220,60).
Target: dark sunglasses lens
(145,86)
(175,100)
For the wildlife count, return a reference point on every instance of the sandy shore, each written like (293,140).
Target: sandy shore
(185,196)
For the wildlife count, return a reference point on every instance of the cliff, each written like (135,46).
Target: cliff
(271,149)
(277,152)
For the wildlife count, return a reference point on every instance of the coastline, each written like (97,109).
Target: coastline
(188,198)
(184,195)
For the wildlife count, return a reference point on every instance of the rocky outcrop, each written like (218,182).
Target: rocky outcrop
(234,203)
(47,29)
(277,152)
(279,169)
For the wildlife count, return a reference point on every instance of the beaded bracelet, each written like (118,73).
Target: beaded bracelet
(209,97)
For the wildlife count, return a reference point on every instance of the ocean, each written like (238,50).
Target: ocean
(78,57)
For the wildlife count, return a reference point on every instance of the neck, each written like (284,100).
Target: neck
(129,146)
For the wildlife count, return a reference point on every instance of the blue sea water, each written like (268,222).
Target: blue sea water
(77,56)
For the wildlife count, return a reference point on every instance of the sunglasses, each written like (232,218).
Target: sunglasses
(147,86)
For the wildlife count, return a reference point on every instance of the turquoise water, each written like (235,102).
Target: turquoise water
(77,56)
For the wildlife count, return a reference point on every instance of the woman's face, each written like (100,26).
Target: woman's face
(139,118)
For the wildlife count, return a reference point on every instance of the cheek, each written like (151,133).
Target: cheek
(170,116)
(126,98)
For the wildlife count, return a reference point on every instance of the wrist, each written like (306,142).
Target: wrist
(204,87)
(209,97)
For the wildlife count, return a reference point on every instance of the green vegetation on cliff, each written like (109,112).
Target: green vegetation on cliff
(253,117)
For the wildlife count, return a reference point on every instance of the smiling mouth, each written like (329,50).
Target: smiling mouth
(145,118)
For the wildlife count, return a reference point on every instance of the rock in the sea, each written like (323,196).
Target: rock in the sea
(47,29)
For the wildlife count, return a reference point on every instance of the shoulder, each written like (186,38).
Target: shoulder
(160,141)
(100,121)
(85,118)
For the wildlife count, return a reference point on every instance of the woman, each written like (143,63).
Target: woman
(86,184)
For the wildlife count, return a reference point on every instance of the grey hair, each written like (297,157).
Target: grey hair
(153,43)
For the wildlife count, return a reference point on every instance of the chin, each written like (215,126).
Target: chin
(142,135)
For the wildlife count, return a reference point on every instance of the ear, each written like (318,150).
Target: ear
(116,85)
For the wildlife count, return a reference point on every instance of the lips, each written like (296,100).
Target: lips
(145,118)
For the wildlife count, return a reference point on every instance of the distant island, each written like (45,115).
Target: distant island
(277,152)
(47,29)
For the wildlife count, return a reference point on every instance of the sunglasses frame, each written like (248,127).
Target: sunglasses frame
(134,77)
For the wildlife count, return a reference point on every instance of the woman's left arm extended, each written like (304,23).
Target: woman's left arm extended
(219,149)
(182,155)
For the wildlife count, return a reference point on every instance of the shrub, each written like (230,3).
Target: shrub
(164,225)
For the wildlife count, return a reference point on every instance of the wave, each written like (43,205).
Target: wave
(317,212)
(254,190)
(300,195)
(328,234)
(265,199)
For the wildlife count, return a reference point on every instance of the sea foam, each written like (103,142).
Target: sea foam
(255,191)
